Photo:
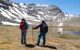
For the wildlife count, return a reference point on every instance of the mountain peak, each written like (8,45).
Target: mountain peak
(31,12)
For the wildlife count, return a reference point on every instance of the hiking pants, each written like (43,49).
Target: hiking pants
(23,36)
(39,37)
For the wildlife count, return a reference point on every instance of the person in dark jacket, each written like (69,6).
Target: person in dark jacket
(23,26)
(42,33)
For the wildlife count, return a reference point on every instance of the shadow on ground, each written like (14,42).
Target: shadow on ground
(30,45)
(51,47)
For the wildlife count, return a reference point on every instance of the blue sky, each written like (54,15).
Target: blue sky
(67,6)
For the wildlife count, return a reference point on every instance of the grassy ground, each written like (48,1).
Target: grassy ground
(10,40)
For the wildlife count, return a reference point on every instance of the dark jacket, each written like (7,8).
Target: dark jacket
(43,27)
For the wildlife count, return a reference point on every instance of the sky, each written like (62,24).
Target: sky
(67,6)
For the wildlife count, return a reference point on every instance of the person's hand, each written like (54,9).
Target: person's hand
(32,28)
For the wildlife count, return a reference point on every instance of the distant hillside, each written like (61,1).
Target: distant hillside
(11,14)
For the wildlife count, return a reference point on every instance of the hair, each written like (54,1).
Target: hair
(23,19)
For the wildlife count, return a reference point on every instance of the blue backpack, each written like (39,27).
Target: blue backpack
(25,25)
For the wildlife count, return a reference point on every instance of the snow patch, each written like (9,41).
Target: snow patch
(8,23)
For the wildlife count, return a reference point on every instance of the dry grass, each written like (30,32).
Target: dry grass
(10,40)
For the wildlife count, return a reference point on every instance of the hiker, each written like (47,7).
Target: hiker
(42,33)
(23,26)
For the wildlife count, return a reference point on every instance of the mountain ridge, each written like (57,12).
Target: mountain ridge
(33,13)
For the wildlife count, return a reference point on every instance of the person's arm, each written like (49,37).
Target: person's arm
(37,27)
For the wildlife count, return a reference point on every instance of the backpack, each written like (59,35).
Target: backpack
(25,25)
(45,27)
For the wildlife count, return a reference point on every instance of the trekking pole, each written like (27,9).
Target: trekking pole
(32,35)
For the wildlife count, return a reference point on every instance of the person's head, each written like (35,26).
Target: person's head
(23,19)
(43,21)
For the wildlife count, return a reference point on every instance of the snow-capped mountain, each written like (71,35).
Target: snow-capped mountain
(14,12)
(71,20)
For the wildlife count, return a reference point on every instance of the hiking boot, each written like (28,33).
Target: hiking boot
(22,43)
(37,44)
